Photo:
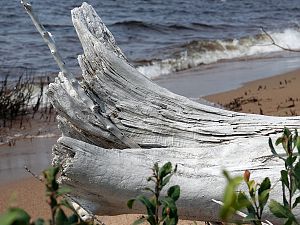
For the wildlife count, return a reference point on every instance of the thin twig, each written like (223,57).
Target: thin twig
(33,174)
(77,207)
(277,45)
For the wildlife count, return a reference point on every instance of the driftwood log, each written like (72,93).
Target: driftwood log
(117,123)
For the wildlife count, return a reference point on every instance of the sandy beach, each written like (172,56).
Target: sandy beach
(277,95)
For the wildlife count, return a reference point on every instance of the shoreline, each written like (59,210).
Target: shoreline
(223,76)
(28,193)
(275,96)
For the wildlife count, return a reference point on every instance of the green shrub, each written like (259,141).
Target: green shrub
(258,193)
(160,177)
(17,216)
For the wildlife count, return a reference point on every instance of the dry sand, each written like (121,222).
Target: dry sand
(277,95)
(29,194)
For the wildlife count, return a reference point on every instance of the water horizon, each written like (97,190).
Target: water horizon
(158,37)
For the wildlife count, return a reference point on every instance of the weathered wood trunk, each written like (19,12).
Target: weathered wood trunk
(106,152)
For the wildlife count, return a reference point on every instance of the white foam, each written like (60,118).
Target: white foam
(251,46)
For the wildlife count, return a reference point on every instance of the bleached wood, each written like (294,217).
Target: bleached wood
(201,139)
(104,179)
(123,109)
(67,79)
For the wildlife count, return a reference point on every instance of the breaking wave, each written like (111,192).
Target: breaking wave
(200,52)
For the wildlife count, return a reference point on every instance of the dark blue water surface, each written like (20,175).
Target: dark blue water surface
(177,31)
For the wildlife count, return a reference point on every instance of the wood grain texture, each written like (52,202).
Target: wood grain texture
(107,151)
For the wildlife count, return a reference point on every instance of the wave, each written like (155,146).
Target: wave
(198,52)
(136,24)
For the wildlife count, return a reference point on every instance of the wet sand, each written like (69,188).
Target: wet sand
(274,96)
(224,76)
(34,153)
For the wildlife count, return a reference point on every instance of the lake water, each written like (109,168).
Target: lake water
(159,37)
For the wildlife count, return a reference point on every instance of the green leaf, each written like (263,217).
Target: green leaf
(174,192)
(165,170)
(279,141)
(250,218)
(130,203)
(226,175)
(63,190)
(51,173)
(169,210)
(50,178)
(272,147)
(263,193)
(60,217)
(298,144)
(279,210)
(149,189)
(175,169)
(39,221)
(290,160)
(296,171)
(263,199)
(166,180)
(286,131)
(265,185)
(230,196)
(284,178)
(154,201)
(290,222)
(170,221)
(169,202)
(297,201)
(244,202)
(284,199)
(252,187)
(290,143)
(151,220)
(15,216)
(146,202)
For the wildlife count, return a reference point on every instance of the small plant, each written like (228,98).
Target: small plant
(290,176)
(258,194)
(14,98)
(160,178)
(254,201)
(20,97)
(17,216)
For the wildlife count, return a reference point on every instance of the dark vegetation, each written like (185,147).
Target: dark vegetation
(160,177)
(22,98)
